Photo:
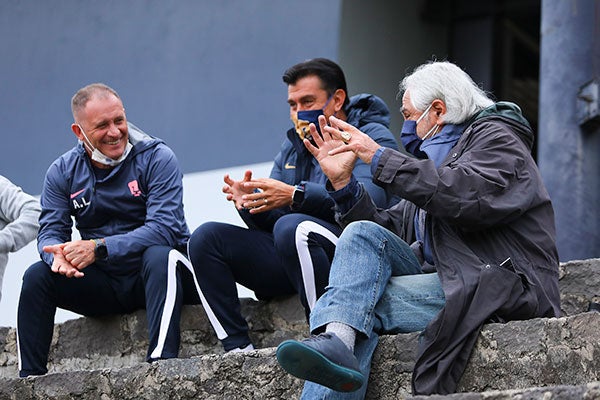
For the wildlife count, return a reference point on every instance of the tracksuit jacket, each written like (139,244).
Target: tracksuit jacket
(137,205)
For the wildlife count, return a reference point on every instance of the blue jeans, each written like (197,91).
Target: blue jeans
(376,286)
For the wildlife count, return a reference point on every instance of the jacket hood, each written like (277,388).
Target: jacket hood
(140,139)
(511,114)
(366,108)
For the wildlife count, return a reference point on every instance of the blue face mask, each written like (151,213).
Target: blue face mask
(409,138)
(302,120)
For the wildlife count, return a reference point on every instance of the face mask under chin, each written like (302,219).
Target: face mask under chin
(102,158)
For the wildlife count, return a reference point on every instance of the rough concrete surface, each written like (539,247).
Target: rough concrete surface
(92,358)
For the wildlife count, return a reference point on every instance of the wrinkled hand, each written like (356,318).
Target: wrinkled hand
(267,194)
(338,167)
(80,253)
(60,265)
(235,189)
(360,144)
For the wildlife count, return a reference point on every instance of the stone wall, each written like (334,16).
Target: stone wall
(102,358)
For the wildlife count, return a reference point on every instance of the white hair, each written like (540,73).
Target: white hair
(447,82)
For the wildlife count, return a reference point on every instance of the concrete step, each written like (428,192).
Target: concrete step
(108,353)
(517,355)
(588,391)
(122,340)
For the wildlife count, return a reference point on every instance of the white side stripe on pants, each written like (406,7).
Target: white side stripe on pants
(174,257)
(306,265)
(212,318)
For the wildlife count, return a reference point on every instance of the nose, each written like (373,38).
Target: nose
(113,130)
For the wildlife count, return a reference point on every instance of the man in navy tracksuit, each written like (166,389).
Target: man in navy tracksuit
(292,232)
(124,190)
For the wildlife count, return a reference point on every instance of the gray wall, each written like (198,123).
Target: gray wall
(383,40)
(380,41)
(569,155)
(206,77)
(203,75)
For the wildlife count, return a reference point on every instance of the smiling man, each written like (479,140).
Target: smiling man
(292,232)
(124,190)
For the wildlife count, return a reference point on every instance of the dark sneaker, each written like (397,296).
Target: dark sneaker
(593,306)
(323,359)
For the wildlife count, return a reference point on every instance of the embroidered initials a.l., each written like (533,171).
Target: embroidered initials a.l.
(84,203)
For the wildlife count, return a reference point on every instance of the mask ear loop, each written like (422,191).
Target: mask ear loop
(89,144)
(424,114)
(433,130)
(326,103)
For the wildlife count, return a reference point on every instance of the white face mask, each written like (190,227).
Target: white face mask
(100,157)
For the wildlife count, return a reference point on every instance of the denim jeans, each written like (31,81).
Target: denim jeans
(376,285)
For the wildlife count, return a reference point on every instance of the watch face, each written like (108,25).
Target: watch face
(298,196)
(101,252)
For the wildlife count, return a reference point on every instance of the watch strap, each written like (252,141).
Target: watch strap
(298,196)
(100,250)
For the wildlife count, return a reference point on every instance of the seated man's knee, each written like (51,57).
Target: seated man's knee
(286,226)
(359,230)
(155,259)
(206,236)
(36,274)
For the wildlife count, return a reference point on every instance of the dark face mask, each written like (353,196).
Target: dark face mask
(410,140)
(303,119)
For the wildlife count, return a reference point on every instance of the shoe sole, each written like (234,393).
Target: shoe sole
(306,363)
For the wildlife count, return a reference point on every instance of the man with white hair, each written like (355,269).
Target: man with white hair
(472,241)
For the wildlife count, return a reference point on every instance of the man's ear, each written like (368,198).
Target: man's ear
(339,96)
(438,107)
(77,131)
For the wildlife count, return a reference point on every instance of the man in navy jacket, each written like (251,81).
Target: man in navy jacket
(292,230)
(124,190)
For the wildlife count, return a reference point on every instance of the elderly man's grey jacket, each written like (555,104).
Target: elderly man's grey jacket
(486,203)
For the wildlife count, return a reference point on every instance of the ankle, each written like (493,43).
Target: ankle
(344,332)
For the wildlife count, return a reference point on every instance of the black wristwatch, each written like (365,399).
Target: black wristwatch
(298,196)
(100,250)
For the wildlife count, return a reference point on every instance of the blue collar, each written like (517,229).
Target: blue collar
(438,146)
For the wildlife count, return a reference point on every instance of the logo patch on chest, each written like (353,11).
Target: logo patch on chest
(134,188)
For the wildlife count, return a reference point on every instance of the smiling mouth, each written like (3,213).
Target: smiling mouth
(114,142)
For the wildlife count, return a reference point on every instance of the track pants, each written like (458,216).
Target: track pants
(162,285)
(295,258)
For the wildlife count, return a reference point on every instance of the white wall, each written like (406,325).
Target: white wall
(203,201)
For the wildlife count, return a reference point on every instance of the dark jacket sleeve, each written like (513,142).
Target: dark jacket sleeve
(362,172)
(481,187)
(55,219)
